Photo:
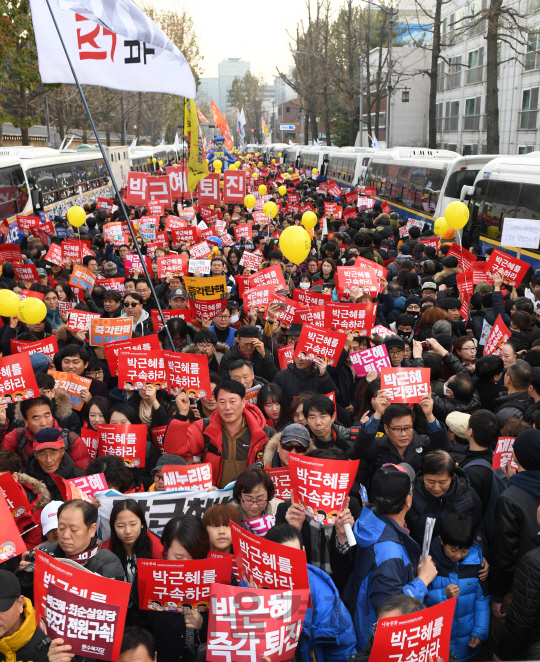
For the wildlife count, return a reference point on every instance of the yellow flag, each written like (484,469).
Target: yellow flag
(197,166)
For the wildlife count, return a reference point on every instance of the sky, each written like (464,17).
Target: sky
(254,30)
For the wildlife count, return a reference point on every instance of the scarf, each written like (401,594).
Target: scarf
(528,481)
(85,556)
(145,412)
(10,645)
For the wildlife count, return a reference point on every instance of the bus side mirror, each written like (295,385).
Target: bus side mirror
(467,191)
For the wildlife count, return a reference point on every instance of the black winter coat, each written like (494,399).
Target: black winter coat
(263,366)
(103,563)
(67,469)
(517,529)
(480,477)
(522,625)
(294,381)
(512,405)
(460,499)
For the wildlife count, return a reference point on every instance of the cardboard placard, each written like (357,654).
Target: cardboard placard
(269,276)
(189,373)
(104,331)
(520,233)
(47,346)
(405,384)
(17,380)
(187,477)
(172,264)
(14,496)
(357,318)
(314,342)
(373,359)
(285,355)
(80,320)
(139,369)
(73,385)
(125,441)
(511,268)
(282,482)
(181,313)
(206,289)
(91,441)
(26,273)
(498,335)
(11,543)
(146,344)
(362,279)
(315,316)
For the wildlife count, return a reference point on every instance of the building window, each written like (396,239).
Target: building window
(451,120)
(471,120)
(477,21)
(287,109)
(531,56)
(525,149)
(469,150)
(454,74)
(529,109)
(440,76)
(439,116)
(475,72)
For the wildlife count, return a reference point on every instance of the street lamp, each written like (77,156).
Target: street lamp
(391,13)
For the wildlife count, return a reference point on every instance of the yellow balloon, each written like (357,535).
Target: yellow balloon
(262,189)
(154,160)
(206,161)
(493,232)
(160,163)
(259,165)
(76,216)
(441,226)
(315,171)
(32,311)
(9,303)
(149,160)
(237,164)
(273,160)
(309,220)
(255,175)
(295,244)
(270,209)
(282,190)
(280,155)
(250,201)
(217,165)
(457,215)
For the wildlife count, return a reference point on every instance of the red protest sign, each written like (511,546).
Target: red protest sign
(251,260)
(200,251)
(24,294)
(157,324)
(269,276)
(178,182)
(11,543)
(26,273)
(47,346)
(368,264)
(17,380)
(288,310)
(187,372)
(316,343)
(79,584)
(159,190)
(79,320)
(357,318)
(104,331)
(105,203)
(172,264)
(363,278)
(177,585)
(242,283)
(89,485)
(112,350)
(54,255)
(185,235)
(125,441)
(268,564)
(504,451)
(419,636)
(311,298)
(348,213)
(116,284)
(386,208)
(73,385)
(10,253)
(405,384)
(137,188)
(237,613)
(244,230)
(498,335)
(14,496)
(258,297)
(373,359)
(207,310)
(321,485)
(351,196)
(158,437)
(282,482)
(83,278)
(511,268)
(91,441)
(189,477)
(138,370)
(315,316)
(465,257)
(132,262)
(208,190)
(234,186)
(370,191)
(69,491)
(285,356)
(155,208)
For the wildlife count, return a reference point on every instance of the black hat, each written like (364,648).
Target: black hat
(394,341)
(391,482)
(248,331)
(294,330)
(10,589)
(527,449)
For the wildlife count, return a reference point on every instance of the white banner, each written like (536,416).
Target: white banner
(160,507)
(103,57)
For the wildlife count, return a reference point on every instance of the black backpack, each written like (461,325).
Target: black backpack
(499,483)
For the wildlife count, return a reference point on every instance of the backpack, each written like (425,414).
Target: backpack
(23,439)
(499,483)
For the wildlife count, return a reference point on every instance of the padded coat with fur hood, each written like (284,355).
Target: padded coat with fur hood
(39,496)
(271,455)
(221,350)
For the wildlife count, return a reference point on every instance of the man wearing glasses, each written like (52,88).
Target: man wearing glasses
(221,327)
(293,439)
(400,442)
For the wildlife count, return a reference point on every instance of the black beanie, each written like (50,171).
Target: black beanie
(527,449)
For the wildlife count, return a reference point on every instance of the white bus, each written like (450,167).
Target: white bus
(422,186)
(39,178)
(347,166)
(506,187)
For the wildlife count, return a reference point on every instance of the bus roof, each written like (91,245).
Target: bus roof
(520,168)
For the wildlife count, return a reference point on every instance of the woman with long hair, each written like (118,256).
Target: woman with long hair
(327,271)
(177,627)
(272,402)
(233,261)
(97,411)
(465,350)
(217,521)
(424,326)
(521,326)
(65,293)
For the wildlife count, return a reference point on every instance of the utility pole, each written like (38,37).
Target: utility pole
(391,13)
(47,121)
(361,116)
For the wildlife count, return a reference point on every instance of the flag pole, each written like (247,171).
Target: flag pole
(108,166)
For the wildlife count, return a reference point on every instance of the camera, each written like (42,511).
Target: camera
(426,344)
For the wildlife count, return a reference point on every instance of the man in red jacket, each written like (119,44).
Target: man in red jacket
(37,416)
(232,438)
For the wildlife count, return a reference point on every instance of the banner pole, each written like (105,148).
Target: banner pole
(108,166)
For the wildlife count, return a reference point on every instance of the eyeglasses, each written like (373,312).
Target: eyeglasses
(469,349)
(132,304)
(48,452)
(396,352)
(204,345)
(94,373)
(250,501)
(291,447)
(224,317)
(407,429)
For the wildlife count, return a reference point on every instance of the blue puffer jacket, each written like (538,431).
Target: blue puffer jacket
(328,633)
(471,618)
(384,566)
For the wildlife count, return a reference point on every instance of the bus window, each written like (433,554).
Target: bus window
(8,203)
(528,202)
(64,176)
(500,202)
(434,184)
(44,179)
(416,187)
(21,189)
(79,173)
(471,232)
(457,181)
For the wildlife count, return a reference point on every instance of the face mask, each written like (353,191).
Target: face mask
(305,286)
(234,319)
(403,334)
(415,315)
(446,391)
